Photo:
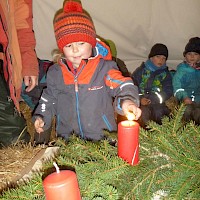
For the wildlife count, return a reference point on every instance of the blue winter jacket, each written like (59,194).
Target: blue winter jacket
(186,82)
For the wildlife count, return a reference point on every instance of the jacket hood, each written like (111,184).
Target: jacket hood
(102,49)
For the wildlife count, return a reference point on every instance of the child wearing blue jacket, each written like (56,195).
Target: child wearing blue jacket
(155,85)
(186,81)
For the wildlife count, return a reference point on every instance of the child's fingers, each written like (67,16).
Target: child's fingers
(129,106)
(138,113)
(39,123)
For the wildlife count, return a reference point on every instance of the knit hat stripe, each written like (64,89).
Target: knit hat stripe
(79,37)
(74,31)
(73,25)
(73,21)
(72,16)
(62,29)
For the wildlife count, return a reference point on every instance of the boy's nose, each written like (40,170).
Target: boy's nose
(74,48)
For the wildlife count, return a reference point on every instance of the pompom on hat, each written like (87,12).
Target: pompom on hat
(159,49)
(73,25)
(192,46)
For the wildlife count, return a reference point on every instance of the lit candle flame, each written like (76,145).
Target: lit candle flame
(130,116)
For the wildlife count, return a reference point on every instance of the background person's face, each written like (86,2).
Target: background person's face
(192,57)
(158,60)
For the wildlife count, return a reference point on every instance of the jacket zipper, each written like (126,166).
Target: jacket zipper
(77,105)
(77,99)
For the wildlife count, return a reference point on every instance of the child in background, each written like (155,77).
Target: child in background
(186,81)
(82,85)
(155,85)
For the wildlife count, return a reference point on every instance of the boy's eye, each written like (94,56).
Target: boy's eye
(68,46)
(161,57)
(81,43)
(192,53)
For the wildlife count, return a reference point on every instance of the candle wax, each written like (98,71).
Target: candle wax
(62,186)
(128,141)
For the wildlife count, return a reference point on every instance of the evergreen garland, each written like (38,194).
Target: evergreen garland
(169,166)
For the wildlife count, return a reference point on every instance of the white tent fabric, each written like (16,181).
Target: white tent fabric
(134,25)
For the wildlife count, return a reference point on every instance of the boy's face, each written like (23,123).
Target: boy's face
(76,51)
(192,57)
(158,60)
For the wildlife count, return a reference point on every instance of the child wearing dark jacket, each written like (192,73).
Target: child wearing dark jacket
(186,81)
(82,84)
(155,85)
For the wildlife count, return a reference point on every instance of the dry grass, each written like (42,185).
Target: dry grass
(14,159)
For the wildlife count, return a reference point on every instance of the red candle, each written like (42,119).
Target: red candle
(128,141)
(61,185)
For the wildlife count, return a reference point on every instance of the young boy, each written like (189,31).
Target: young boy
(82,85)
(155,85)
(186,81)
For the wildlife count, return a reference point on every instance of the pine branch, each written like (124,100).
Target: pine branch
(169,166)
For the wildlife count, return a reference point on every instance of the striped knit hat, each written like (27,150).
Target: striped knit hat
(73,25)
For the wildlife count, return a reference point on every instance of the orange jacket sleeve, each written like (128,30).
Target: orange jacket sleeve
(26,37)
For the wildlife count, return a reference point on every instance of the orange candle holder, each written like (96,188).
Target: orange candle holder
(61,185)
(128,141)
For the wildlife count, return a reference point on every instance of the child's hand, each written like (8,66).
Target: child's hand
(30,82)
(145,101)
(187,100)
(39,123)
(129,106)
